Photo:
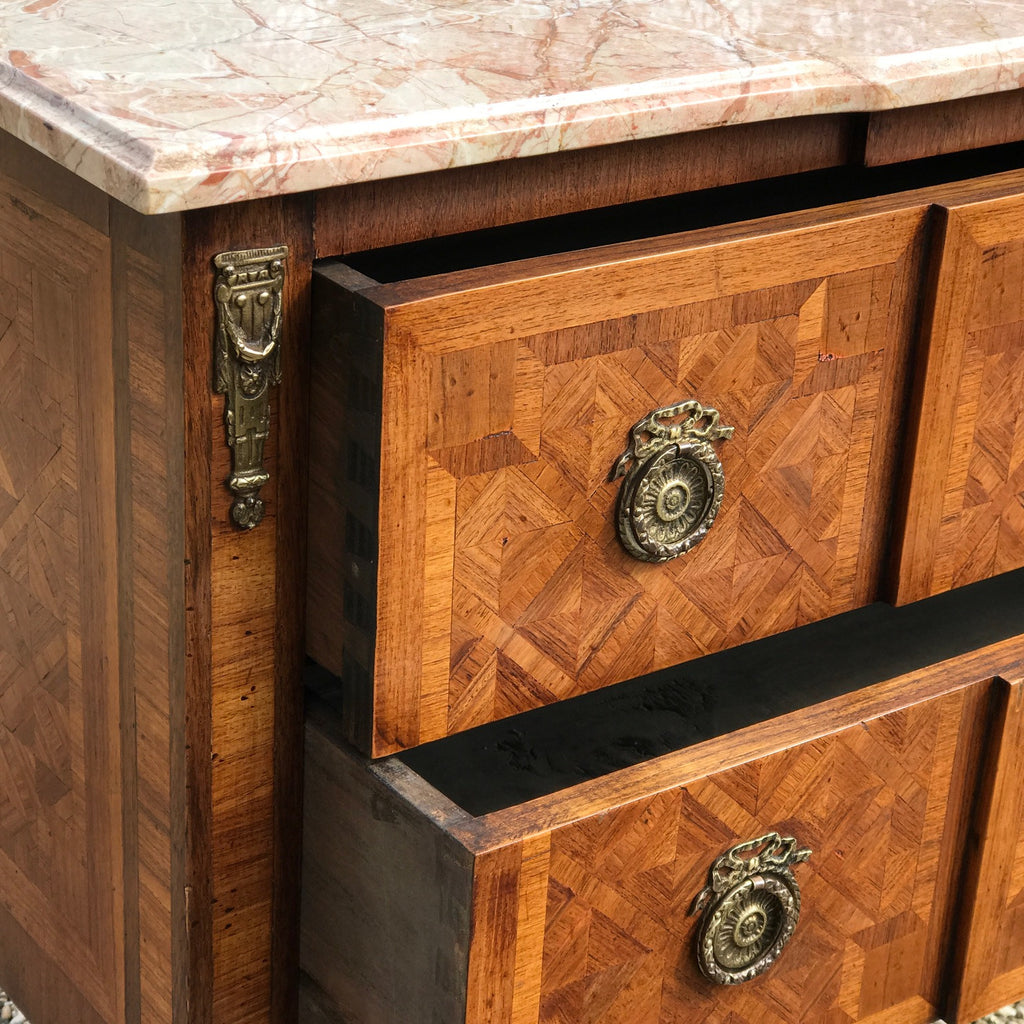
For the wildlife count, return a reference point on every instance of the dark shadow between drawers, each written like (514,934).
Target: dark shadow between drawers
(689,211)
(543,751)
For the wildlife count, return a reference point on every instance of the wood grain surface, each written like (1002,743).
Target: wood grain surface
(990,937)
(387,894)
(508,394)
(379,213)
(871,802)
(150,453)
(62,877)
(964,518)
(580,900)
(245,614)
(911,133)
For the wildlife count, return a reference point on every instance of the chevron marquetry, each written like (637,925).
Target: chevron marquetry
(61,872)
(965,515)
(501,582)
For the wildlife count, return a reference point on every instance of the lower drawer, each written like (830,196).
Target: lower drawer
(577,905)
(989,966)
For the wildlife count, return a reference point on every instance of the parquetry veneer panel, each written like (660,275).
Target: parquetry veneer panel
(965,509)
(580,900)
(492,580)
(61,869)
(871,804)
(149,710)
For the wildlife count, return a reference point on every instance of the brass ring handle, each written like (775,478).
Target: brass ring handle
(751,907)
(673,489)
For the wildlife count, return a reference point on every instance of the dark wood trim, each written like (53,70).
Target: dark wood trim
(247,639)
(380,213)
(971,123)
(197,344)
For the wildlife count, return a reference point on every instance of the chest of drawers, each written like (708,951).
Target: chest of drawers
(853,348)
(151,652)
(474,881)
(492,574)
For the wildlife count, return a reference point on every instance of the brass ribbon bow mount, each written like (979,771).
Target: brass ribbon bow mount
(673,484)
(751,906)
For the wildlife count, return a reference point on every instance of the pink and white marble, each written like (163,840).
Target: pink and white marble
(176,104)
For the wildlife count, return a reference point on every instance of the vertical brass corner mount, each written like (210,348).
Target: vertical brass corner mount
(248,294)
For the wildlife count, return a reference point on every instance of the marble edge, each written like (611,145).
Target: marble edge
(176,175)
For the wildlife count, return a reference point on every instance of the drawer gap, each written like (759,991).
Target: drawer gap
(537,753)
(689,211)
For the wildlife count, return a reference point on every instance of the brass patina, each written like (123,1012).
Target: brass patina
(248,296)
(673,489)
(751,906)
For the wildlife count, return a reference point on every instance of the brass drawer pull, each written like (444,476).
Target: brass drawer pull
(751,905)
(673,490)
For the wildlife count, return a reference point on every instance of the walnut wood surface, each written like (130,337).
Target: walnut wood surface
(965,504)
(244,623)
(381,213)
(508,393)
(62,876)
(911,133)
(990,964)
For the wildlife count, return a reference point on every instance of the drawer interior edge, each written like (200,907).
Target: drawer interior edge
(541,752)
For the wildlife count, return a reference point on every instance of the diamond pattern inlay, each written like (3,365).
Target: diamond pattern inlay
(540,578)
(870,802)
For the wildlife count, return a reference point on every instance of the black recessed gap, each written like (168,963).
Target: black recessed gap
(685,212)
(542,751)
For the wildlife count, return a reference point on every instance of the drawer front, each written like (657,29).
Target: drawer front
(508,394)
(593,922)
(991,961)
(965,510)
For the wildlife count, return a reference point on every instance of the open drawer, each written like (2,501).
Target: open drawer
(473,552)
(551,873)
(964,514)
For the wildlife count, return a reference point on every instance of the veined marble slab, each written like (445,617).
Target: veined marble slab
(175,104)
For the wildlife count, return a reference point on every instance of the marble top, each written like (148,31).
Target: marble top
(175,104)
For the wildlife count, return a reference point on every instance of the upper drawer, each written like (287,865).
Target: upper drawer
(965,506)
(466,562)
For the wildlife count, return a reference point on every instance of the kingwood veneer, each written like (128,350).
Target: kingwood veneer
(491,579)
(463,426)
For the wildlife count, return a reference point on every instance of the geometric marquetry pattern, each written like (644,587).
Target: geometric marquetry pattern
(545,601)
(37,523)
(870,802)
(990,528)
(965,503)
(60,870)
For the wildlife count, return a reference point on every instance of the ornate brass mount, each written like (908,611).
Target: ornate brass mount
(248,294)
(751,905)
(673,490)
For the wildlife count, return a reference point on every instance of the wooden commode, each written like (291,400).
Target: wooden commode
(469,566)
(511,513)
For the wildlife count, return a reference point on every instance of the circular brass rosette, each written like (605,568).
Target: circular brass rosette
(751,908)
(673,488)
